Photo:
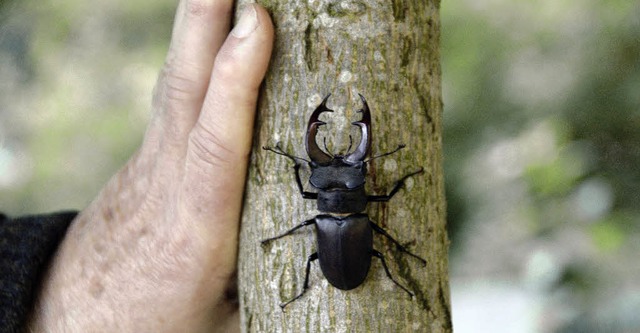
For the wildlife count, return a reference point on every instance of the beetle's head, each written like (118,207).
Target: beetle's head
(338,171)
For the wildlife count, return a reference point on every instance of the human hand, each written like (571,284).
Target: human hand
(156,250)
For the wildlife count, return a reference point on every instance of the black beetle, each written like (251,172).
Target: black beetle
(344,234)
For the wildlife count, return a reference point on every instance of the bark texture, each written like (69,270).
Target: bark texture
(389,51)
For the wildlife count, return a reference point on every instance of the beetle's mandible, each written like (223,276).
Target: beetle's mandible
(344,233)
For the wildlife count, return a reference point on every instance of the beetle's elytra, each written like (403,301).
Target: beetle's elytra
(344,233)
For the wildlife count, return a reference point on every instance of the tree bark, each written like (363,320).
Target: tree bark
(389,52)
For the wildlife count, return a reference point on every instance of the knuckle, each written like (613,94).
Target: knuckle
(169,102)
(200,8)
(230,75)
(207,147)
(176,82)
(196,7)
(226,67)
(231,71)
(175,97)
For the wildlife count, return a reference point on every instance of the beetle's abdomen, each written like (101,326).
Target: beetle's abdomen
(341,201)
(344,249)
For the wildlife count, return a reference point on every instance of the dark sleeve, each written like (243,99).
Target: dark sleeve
(26,246)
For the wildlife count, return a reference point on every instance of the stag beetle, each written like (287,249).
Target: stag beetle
(344,234)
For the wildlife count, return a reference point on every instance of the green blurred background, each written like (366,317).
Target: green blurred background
(542,142)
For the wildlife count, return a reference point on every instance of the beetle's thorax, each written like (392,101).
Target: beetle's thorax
(342,201)
(340,186)
(337,175)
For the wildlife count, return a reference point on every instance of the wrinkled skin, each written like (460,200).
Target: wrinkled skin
(156,251)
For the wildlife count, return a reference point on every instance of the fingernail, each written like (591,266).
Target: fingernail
(247,24)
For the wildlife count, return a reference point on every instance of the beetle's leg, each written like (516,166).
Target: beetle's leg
(379,230)
(305,286)
(386,269)
(305,194)
(278,150)
(398,185)
(290,231)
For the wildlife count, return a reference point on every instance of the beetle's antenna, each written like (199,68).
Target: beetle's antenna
(385,154)
(278,150)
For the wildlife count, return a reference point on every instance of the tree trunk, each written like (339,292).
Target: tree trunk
(389,52)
